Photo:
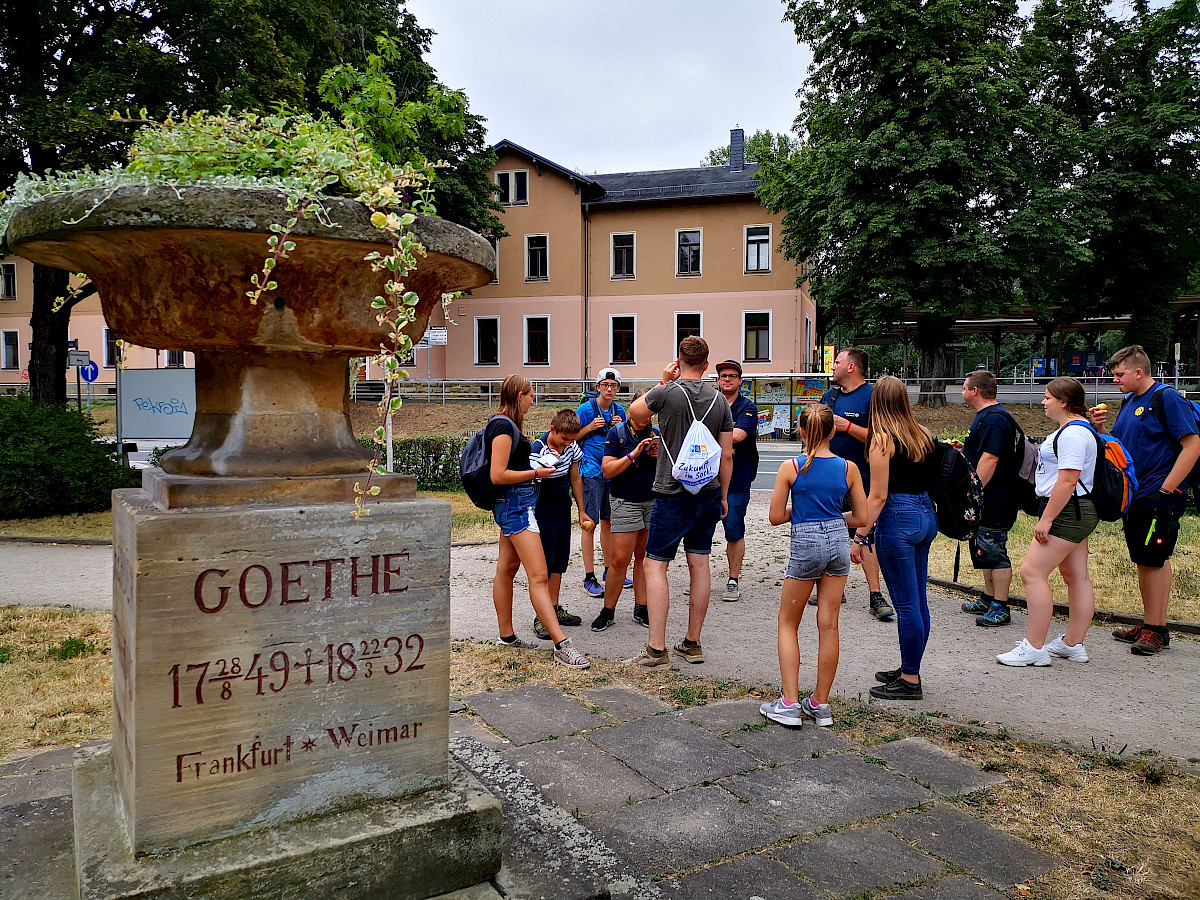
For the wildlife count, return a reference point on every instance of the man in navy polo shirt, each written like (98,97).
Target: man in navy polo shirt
(850,400)
(1161,436)
(745,467)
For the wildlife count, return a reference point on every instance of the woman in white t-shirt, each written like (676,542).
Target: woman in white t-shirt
(1066,466)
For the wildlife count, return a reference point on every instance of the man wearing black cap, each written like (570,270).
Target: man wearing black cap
(745,467)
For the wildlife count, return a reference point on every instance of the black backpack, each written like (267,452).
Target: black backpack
(474,467)
(957,492)
(1160,413)
(1023,469)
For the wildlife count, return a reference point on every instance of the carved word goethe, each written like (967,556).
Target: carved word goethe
(301,581)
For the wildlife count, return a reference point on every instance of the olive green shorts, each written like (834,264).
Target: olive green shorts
(1075,523)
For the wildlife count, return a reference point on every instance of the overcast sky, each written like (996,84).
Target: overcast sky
(623,85)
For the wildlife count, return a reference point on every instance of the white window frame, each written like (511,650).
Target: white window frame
(182,359)
(675,334)
(539,279)
(110,363)
(770,334)
(496,249)
(477,320)
(615,362)
(612,256)
(8,272)
(809,341)
(746,249)
(16,349)
(700,273)
(512,186)
(525,339)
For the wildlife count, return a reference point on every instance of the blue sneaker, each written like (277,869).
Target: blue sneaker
(996,616)
(592,586)
(628,580)
(979,606)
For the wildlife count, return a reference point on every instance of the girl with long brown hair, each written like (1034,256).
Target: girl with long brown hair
(900,454)
(810,491)
(520,544)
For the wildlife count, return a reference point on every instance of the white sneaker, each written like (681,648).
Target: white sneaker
(1024,654)
(567,655)
(1060,648)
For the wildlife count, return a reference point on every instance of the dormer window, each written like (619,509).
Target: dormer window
(513,187)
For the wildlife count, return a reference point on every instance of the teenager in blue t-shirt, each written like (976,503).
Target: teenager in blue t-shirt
(1163,451)
(596,418)
(745,467)
(850,400)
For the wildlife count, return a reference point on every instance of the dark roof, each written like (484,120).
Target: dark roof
(676,184)
(590,187)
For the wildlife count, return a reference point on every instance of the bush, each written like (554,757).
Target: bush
(433,460)
(52,463)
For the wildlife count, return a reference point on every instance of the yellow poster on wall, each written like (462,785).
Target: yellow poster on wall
(827,358)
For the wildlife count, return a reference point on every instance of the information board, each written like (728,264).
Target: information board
(157,404)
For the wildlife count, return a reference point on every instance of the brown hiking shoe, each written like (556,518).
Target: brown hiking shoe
(690,650)
(1148,643)
(1128,635)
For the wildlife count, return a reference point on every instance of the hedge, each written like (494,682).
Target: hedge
(434,460)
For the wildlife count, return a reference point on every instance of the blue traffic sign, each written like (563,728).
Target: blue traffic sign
(90,372)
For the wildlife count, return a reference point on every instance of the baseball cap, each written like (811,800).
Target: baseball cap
(608,375)
(729,364)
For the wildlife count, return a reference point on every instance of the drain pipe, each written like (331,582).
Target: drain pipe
(587,225)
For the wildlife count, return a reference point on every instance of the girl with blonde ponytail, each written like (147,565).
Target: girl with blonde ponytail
(810,491)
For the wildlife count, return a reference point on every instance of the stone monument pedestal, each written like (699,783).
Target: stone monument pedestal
(281,678)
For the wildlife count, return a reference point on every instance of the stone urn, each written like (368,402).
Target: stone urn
(172,267)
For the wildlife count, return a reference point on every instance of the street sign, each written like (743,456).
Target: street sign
(90,371)
(78,357)
(437,336)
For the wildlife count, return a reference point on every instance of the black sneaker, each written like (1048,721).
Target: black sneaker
(640,615)
(565,618)
(887,675)
(880,608)
(539,631)
(604,619)
(897,690)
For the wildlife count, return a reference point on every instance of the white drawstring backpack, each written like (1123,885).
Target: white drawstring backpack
(700,456)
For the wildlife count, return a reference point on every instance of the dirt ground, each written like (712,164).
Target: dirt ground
(417,418)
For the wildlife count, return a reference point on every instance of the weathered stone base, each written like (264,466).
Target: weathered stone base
(421,847)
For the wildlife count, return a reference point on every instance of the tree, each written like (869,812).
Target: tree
(760,147)
(66,66)
(907,120)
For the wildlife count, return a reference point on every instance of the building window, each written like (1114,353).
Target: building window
(487,340)
(688,245)
(112,353)
(496,249)
(174,359)
(623,339)
(809,349)
(537,257)
(10,350)
(758,249)
(757,328)
(622,255)
(513,187)
(537,340)
(8,281)
(687,324)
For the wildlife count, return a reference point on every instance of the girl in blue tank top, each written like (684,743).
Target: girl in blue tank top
(810,492)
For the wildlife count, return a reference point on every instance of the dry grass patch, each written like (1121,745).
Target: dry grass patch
(68,527)
(55,677)
(1114,577)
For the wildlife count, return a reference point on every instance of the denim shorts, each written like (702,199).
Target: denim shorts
(735,519)
(595,499)
(819,548)
(989,549)
(691,518)
(514,510)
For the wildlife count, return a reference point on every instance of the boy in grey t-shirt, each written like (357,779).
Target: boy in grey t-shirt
(679,515)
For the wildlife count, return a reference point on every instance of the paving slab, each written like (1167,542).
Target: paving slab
(672,753)
(859,861)
(533,713)
(943,771)
(465,726)
(31,762)
(624,703)
(725,716)
(578,776)
(456,705)
(816,794)
(752,876)
(548,853)
(37,850)
(957,887)
(777,746)
(998,858)
(16,789)
(684,829)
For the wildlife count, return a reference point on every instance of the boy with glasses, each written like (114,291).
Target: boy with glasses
(597,417)
(745,467)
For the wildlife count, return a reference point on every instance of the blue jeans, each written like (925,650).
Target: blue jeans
(906,527)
